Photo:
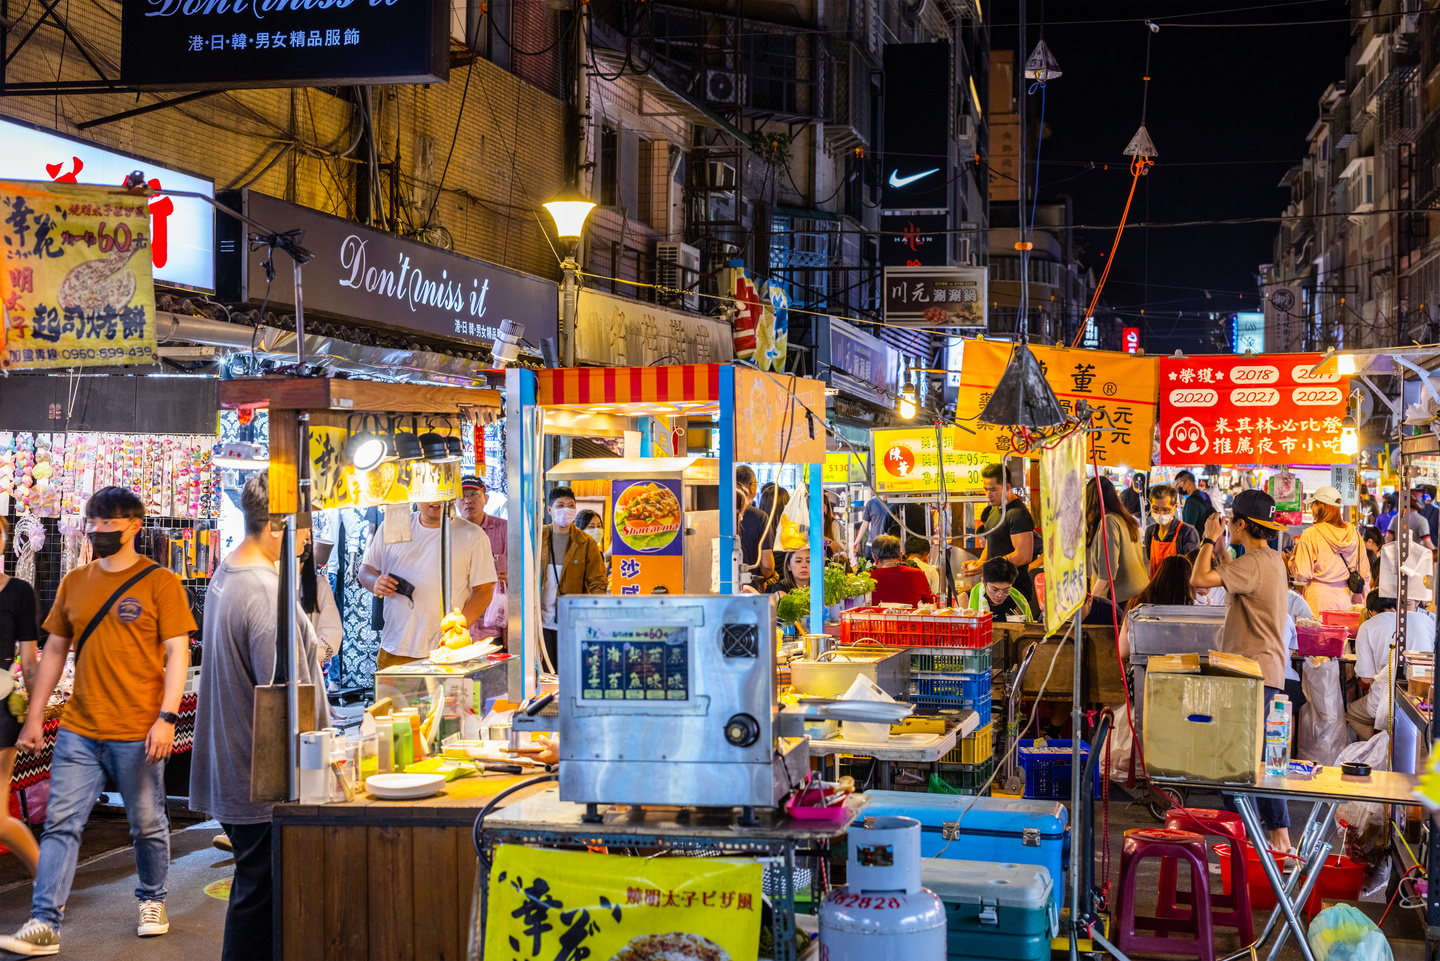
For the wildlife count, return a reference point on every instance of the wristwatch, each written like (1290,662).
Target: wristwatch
(1209,540)
(170,717)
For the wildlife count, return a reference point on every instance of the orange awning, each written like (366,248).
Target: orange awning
(628,385)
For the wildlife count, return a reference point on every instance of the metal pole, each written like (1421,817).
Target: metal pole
(290,591)
(568,293)
(817,548)
(1078,648)
(299,321)
(445,558)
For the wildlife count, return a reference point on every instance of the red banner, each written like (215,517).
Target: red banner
(1130,339)
(1267,409)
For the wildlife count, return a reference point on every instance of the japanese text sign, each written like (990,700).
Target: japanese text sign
(907,462)
(75,284)
(1267,409)
(1120,386)
(334,481)
(936,296)
(567,905)
(1062,500)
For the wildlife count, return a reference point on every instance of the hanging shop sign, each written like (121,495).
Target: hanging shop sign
(1345,478)
(1062,506)
(906,461)
(182,229)
(855,363)
(75,283)
(914,240)
(1250,410)
(936,296)
(1130,339)
(647,537)
(762,319)
(779,418)
(918,121)
(574,904)
(619,332)
(223,44)
(1248,332)
(365,275)
(336,483)
(845,467)
(1120,386)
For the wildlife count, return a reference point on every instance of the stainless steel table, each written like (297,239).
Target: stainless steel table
(915,748)
(1328,789)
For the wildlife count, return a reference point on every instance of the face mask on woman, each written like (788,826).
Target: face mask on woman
(598,533)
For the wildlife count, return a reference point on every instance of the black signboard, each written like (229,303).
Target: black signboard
(914,240)
(363,275)
(916,165)
(223,44)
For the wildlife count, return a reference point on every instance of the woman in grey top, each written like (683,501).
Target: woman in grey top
(1120,542)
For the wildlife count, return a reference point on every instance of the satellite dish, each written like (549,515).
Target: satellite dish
(1367,405)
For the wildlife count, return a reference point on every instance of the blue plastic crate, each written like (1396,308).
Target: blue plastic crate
(969,685)
(980,706)
(1048,769)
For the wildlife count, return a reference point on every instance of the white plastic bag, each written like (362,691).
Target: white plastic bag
(1366,840)
(1121,745)
(1322,732)
(1342,933)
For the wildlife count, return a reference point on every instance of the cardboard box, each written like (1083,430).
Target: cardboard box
(1205,717)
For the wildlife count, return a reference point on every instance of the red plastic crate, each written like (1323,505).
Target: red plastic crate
(1339,879)
(899,628)
(1320,641)
(1350,620)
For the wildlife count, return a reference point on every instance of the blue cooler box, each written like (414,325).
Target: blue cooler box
(1003,830)
(1002,911)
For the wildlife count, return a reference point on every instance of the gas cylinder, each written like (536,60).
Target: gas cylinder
(882,913)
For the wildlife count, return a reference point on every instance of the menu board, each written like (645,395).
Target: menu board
(635,663)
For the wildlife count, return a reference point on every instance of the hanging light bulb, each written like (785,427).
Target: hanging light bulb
(908,403)
(1349,443)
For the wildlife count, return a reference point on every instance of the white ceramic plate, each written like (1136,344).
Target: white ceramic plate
(404,787)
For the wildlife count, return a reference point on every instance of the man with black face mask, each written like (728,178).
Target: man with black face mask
(129,623)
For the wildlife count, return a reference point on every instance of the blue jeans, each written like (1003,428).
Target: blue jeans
(78,769)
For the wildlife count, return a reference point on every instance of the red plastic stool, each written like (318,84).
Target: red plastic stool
(1226,910)
(1145,843)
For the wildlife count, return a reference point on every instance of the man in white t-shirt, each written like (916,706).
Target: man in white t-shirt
(412,624)
(1372,657)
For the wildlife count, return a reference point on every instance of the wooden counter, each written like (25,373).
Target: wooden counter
(381,880)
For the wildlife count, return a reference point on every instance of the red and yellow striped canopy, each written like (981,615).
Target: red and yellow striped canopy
(628,385)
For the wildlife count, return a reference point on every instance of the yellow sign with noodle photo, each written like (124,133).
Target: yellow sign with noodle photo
(558,905)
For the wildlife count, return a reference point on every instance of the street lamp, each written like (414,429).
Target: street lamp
(569,211)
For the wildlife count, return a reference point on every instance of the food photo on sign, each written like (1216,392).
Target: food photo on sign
(1267,409)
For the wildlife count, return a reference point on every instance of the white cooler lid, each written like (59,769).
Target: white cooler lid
(1021,886)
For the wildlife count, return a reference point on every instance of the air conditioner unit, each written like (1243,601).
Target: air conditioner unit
(724,87)
(720,175)
(677,266)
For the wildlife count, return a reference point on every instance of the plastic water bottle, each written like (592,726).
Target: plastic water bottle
(1277,739)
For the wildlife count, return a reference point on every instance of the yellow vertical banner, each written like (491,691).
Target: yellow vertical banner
(75,282)
(1062,502)
(573,904)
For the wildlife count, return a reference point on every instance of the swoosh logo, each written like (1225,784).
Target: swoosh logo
(898,181)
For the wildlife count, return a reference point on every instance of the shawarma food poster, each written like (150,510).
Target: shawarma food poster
(75,282)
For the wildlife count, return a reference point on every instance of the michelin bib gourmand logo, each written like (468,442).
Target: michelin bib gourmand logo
(1187,437)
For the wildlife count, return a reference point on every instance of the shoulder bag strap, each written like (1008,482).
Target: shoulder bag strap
(109,603)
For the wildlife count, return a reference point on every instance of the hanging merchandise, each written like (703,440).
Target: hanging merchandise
(1289,493)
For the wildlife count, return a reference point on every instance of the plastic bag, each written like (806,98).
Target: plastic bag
(1342,933)
(1366,840)
(1120,745)
(1322,732)
(497,615)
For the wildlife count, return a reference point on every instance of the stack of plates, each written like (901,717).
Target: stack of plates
(404,787)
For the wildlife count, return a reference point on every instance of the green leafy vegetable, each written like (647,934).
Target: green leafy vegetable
(839,586)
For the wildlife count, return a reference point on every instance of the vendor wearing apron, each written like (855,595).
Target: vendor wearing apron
(996,594)
(1168,535)
(1256,586)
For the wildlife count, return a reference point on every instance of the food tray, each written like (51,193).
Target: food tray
(1321,641)
(903,629)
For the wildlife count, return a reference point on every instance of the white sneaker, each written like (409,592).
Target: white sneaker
(34,938)
(152,919)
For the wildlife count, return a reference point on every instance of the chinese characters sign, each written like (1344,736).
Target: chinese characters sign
(635,664)
(1120,386)
(935,296)
(334,481)
(1062,499)
(1250,410)
(181,44)
(75,283)
(906,461)
(859,364)
(549,905)
(646,539)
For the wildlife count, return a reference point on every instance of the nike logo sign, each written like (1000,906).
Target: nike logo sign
(898,181)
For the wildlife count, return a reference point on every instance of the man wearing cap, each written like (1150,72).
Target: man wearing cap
(1327,553)
(471,507)
(1255,586)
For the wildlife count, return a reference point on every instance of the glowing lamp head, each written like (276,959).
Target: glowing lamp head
(1349,443)
(1345,364)
(908,404)
(570,211)
(366,449)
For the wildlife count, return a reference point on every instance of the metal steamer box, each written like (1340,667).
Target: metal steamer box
(670,700)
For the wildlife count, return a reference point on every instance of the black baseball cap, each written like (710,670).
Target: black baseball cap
(1258,506)
(471,481)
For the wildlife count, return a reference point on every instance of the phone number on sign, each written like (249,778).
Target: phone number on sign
(105,353)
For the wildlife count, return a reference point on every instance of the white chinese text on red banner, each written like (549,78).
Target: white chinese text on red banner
(1265,409)
(75,282)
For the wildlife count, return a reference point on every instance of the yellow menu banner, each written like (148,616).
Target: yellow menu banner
(334,481)
(573,904)
(1062,509)
(1122,386)
(75,284)
(844,467)
(907,461)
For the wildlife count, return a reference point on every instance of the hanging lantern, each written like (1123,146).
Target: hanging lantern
(1023,398)
(1141,145)
(1041,66)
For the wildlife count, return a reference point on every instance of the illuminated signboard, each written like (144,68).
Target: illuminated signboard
(182,229)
